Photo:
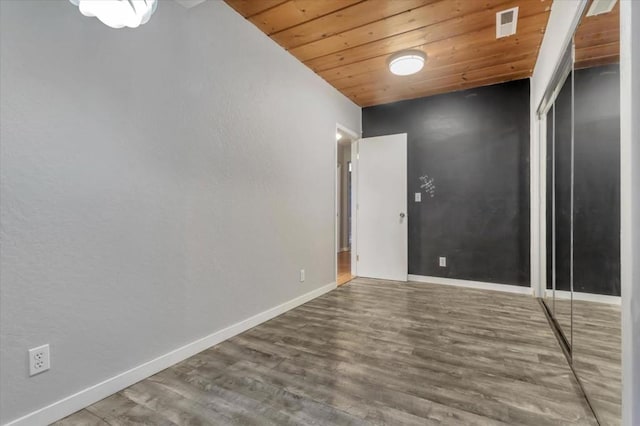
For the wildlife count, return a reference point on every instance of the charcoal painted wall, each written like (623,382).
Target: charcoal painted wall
(597,183)
(468,155)
(559,145)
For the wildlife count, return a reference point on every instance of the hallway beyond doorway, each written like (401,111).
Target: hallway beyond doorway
(344,267)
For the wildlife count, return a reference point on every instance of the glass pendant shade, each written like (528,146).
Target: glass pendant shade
(118,13)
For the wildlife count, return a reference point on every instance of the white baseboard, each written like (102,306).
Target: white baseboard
(92,394)
(585,297)
(472,284)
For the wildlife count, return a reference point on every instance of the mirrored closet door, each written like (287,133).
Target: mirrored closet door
(559,186)
(580,124)
(596,218)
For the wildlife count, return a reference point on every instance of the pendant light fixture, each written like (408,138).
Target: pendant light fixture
(118,13)
(407,62)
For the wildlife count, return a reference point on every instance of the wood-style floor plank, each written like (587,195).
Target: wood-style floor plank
(370,352)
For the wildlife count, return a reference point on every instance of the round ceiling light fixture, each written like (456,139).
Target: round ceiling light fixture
(407,62)
(118,13)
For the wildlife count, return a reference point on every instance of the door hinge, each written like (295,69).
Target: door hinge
(357,258)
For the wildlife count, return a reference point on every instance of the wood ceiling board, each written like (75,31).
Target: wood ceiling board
(481,24)
(587,40)
(378,68)
(436,69)
(458,73)
(441,53)
(605,22)
(597,39)
(350,47)
(296,12)
(343,20)
(598,55)
(248,8)
(446,87)
(421,17)
(596,62)
(596,48)
(592,28)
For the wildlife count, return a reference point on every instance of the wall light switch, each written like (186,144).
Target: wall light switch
(302,277)
(418,197)
(443,262)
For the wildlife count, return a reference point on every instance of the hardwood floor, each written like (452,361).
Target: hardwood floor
(344,267)
(369,352)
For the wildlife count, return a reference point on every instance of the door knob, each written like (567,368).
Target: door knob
(401,214)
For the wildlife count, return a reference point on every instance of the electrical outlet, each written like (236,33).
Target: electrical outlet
(39,360)
(302,275)
(443,262)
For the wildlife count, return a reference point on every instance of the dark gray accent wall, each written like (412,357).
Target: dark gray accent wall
(596,183)
(468,155)
(562,128)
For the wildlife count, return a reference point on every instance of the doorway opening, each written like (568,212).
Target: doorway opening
(345,146)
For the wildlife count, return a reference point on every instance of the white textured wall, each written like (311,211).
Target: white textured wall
(630,212)
(157,185)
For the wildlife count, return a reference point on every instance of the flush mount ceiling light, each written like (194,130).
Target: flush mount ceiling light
(407,62)
(118,13)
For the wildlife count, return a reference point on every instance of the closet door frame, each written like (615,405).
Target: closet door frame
(564,70)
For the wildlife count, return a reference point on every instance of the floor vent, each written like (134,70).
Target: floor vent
(506,22)
(598,7)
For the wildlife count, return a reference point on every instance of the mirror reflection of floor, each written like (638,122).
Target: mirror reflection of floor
(596,356)
(561,311)
(594,332)
(563,317)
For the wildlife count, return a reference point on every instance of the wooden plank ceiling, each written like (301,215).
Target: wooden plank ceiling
(348,42)
(597,39)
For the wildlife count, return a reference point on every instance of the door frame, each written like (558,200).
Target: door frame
(337,193)
(539,245)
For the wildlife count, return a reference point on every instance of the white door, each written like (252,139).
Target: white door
(382,208)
